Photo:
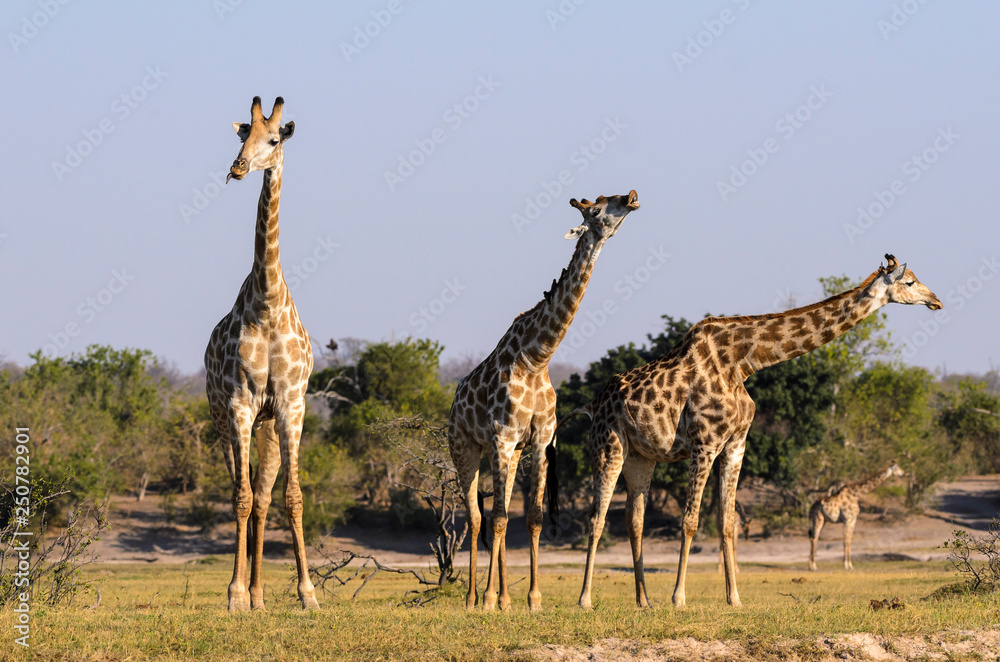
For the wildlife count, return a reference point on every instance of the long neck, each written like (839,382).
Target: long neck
(545,325)
(266,262)
(866,486)
(765,340)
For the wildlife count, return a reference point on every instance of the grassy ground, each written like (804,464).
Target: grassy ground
(187,618)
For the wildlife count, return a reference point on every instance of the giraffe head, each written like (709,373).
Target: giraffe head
(262,140)
(603,216)
(902,286)
(894,470)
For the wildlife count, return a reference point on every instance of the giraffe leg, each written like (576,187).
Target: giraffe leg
(239,436)
(269,461)
(606,459)
(466,455)
(539,468)
(700,468)
(850,519)
(816,521)
(289,426)
(638,473)
(504,463)
(729,475)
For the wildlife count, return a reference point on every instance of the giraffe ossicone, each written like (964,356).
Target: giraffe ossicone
(258,363)
(691,403)
(507,403)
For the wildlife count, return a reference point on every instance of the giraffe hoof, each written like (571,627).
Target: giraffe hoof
(534,602)
(239,603)
(489,602)
(586,604)
(310,604)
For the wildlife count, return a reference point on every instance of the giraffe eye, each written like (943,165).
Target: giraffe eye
(909,283)
(274,142)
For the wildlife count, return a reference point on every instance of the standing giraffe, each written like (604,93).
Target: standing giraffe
(507,402)
(842,506)
(691,403)
(259,360)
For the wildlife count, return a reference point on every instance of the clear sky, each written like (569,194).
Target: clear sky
(437,145)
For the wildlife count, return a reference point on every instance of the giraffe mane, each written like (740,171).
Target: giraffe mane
(801,310)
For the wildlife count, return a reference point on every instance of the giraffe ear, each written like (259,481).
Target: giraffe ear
(575,232)
(242,130)
(897,274)
(286,131)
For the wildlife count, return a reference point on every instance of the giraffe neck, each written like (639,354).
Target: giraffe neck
(544,326)
(267,277)
(866,486)
(764,340)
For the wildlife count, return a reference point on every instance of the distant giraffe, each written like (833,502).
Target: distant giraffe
(691,403)
(258,361)
(507,403)
(842,506)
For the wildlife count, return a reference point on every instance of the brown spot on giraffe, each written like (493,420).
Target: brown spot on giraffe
(257,372)
(707,413)
(520,361)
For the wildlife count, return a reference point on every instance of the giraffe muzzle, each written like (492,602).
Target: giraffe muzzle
(238,170)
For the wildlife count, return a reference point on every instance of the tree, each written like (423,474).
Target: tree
(970,417)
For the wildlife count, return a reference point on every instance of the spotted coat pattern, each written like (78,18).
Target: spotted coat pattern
(507,403)
(842,506)
(258,362)
(691,403)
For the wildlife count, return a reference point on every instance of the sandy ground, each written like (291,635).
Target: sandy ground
(140,533)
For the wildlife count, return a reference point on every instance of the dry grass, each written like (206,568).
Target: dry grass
(188,620)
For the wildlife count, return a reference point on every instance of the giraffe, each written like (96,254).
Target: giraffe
(744,525)
(691,403)
(258,361)
(842,506)
(507,403)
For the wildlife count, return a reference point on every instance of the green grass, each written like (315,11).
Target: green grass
(197,626)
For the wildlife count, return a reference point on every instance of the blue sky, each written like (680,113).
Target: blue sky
(437,145)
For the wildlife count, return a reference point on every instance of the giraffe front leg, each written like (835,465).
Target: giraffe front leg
(848,534)
(700,468)
(606,459)
(289,425)
(269,461)
(729,475)
(239,436)
(638,472)
(504,465)
(539,468)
